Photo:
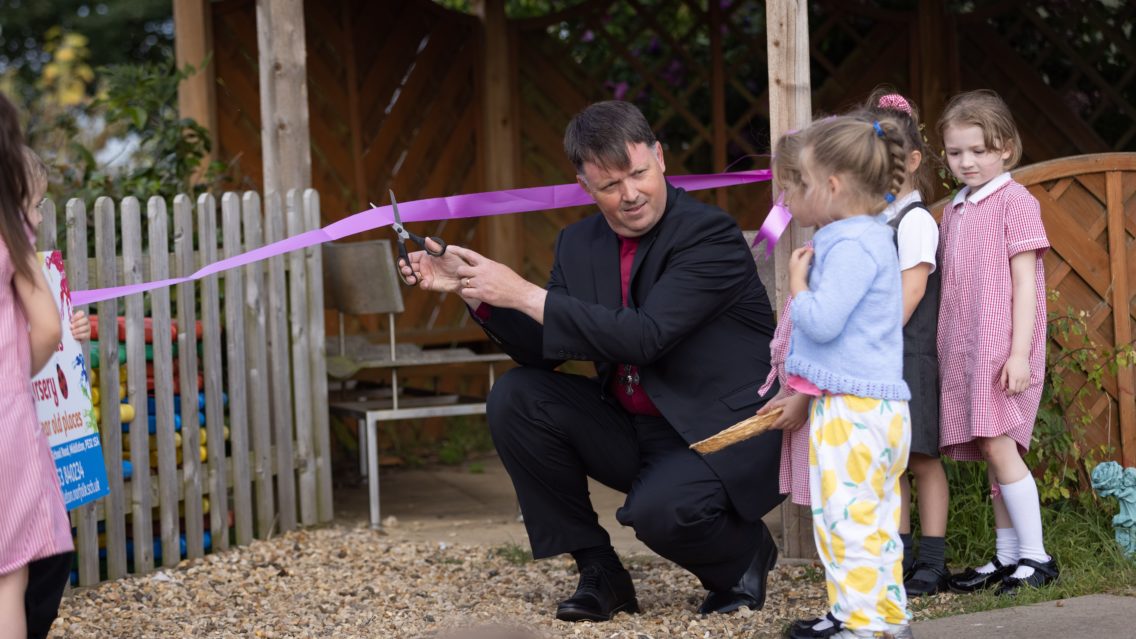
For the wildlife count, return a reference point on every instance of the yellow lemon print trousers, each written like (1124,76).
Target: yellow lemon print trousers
(858,451)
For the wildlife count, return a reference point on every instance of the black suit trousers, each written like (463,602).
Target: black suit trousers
(47,579)
(554,430)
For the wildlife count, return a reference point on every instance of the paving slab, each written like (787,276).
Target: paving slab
(1090,616)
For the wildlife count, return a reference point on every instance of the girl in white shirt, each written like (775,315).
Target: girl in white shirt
(917,240)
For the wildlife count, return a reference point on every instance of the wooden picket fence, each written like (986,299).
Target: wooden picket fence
(261,374)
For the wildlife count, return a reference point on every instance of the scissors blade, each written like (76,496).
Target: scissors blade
(397,223)
(394,208)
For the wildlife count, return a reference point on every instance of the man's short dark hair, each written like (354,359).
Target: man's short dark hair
(600,134)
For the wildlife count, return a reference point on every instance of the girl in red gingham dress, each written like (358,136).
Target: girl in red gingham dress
(794,479)
(992,332)
(33,521)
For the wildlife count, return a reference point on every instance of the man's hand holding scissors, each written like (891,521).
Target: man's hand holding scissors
(430,272)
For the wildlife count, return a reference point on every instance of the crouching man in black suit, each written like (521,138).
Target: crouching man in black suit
(660,291)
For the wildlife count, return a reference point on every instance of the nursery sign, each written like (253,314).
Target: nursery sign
(62,393)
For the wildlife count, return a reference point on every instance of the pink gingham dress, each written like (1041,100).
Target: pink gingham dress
(981,232)
(33,521)
(794,444)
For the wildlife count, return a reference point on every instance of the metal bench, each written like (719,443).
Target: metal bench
(360,279)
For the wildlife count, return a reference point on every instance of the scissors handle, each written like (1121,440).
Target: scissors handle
(439,241)
(404,258)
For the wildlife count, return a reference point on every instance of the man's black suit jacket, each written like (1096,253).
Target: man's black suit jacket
(698,326)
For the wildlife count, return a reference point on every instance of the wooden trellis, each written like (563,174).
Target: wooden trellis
(1088,205)
(397,94)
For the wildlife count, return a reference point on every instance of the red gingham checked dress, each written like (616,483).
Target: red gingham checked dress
(33,521)
(794,479)
(981,232)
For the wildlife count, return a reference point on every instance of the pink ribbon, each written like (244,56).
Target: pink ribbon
(776,221)
(471,205)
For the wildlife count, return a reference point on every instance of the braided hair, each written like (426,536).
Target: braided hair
(885,103)
(871,153)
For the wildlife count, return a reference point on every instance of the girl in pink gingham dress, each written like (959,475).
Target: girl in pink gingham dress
(794,479)
(33,521)
(992,332)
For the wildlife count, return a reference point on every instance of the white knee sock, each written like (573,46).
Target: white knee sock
(1025,512)
(1005,548)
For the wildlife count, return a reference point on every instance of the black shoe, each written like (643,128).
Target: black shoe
(926,579)
(750,589)
(971,580)
(599,595)
(1043,573)
(818,628)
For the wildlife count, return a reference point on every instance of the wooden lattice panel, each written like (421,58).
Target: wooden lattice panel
(1088,205)
(395,94)
(1083,52)
(394,104)
(658,55)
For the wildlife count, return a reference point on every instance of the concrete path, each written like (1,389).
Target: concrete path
(1092,616)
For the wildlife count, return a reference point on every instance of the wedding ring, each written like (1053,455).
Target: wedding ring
(466,282)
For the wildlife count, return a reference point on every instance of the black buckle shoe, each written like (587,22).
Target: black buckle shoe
(599,596)
(926,579)
(1043,573)
(817,628)
(971,580)
(750,589)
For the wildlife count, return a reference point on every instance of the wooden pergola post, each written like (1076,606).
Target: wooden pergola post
(932,70)
(193,43)
(500,145)
(285,136)
(790,108)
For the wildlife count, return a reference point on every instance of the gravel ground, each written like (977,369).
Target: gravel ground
(349,582)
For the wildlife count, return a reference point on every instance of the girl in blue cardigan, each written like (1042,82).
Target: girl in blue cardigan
(846,350)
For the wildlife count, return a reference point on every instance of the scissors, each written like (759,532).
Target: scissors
(404,235)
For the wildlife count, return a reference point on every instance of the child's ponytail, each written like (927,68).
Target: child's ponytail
(15,189)
(867,150)
(886,103)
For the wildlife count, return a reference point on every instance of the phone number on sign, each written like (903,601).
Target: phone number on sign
(70,473)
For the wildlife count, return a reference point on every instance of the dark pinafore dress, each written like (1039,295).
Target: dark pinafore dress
(921,358)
